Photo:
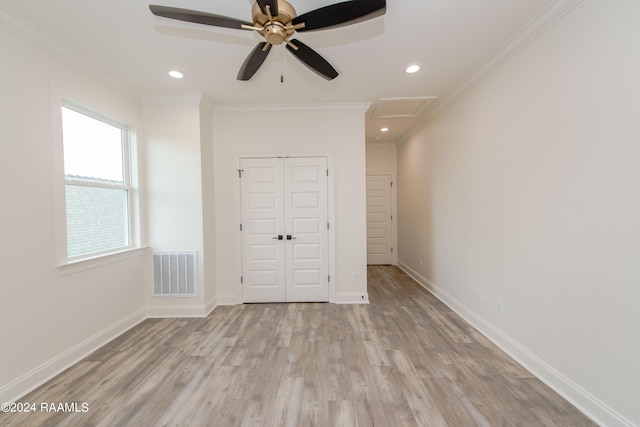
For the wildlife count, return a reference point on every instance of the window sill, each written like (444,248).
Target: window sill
(97,261)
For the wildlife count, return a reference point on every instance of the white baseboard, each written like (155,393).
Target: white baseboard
(48,370)
(228,299)
(162,311)
(340,298)
(211,305)
(352,298)
(592,407)
(43,373)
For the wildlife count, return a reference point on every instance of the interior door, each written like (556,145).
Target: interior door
(262,199)
(284,229)
(379,220)
(306,247)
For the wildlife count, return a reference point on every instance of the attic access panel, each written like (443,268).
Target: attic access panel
(401,107)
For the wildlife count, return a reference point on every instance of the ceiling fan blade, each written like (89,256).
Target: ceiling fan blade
(197,17)
(312,59)
(254,61)
(340,14)
(273,5)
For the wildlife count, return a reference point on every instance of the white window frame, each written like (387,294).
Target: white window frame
(66,264)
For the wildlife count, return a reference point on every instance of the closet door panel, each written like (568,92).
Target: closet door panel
(262,200)
(305,209)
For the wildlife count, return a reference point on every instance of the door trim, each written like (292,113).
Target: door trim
(237,212)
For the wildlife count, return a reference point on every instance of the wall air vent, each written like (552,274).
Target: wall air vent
(174,274)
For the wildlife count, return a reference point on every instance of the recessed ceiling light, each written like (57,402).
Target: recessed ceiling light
(176,74)
(384,129)
(412,69)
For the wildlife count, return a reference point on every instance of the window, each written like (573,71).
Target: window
(97,184)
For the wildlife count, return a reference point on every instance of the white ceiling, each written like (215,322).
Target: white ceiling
(449,39)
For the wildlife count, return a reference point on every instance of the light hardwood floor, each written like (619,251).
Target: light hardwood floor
(403,360)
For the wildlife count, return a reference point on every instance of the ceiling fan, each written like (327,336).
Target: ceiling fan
(277,21)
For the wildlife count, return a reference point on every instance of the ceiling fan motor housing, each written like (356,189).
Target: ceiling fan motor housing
(275,31)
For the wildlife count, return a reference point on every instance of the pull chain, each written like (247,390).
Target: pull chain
(282,63)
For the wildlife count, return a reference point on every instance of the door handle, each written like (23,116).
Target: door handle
(289,237)
(278,237)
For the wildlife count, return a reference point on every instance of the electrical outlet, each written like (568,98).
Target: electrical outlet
(354,276)
(500,306)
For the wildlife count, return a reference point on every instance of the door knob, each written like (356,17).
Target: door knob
(289,237)
(278,237)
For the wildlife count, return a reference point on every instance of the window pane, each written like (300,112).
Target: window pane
(97,219)
(92,149)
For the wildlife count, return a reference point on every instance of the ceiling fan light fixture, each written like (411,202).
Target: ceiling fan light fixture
(176,74)
(413,68)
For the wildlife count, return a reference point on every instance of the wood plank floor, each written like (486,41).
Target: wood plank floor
(403,360)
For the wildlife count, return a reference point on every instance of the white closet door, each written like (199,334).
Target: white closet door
(262,230)
(305,207)
(379,236)
(284,229)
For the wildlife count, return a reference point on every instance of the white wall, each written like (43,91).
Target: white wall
(50,317)
(208,205)
(526,190)
(337,131)
(382,158)
(179,157)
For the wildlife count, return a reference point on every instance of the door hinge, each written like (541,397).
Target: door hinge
(241,279)
(392,217)
(391,250)
(240,173)
(240,227)
(391,183)
(327,172)
(328,278)
(327,226)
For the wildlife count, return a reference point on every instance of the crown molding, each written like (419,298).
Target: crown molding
(378,144)
(292,108)
(195,98)
(51,45)
(28,32)
(538,25)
